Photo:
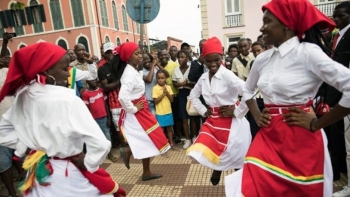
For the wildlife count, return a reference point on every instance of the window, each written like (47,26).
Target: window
(118,42)
(19,20)
(106,39)
(63,44)
(125,19)
(233,39)
(233,7)
(19,30)
(56,14)
(326,1)
(115,15)
(104,14)
(78,14)
(138,27)
(1,31)
(83,41)
(37,27)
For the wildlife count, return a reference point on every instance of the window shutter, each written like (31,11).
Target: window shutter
(3,22)
(22,17)
(29,14)
(42,15)
(9,18)
(80,13)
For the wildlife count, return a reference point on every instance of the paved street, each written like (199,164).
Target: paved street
(182,177)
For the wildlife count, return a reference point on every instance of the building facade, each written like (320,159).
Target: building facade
(241,18)
(68,22)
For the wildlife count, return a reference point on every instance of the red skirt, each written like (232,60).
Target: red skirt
(149,124)
(284,160)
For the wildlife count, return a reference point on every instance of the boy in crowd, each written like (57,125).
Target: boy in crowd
(95,100)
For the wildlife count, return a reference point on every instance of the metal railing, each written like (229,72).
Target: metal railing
(233,20)
(327,8)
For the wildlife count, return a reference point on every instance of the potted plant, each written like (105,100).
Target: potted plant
(17,6)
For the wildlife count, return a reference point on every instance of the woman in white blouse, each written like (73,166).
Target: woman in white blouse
(49,119)
(138,125)
(180,81)
(289,155)
(225,136)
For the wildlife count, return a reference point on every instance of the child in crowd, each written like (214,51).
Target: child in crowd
(163,96)
(95,100)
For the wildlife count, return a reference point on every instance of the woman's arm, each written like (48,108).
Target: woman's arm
(148,78)
(8,136)
(194,97)
(334,74)
(96,143)
(127,85)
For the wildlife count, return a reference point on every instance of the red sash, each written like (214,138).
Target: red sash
(284,160)
(101,179)
(213,136)
(149,124)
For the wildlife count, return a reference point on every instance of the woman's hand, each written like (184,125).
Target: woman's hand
(208,113)
(264,119)
(299,117)
(78,161)
(139,105)
(227,111)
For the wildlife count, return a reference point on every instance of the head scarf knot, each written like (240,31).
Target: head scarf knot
(125,50)
(212,45)
(27,62)
(298,15)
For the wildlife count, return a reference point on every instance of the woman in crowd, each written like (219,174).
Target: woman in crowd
(48,118)
(225,136)
(289,156)
(140,128)
(150,69)
(180,81)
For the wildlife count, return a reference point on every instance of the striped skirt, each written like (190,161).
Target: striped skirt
(284,160)
(222,142)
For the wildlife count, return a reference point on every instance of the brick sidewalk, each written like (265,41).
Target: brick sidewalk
(182,177)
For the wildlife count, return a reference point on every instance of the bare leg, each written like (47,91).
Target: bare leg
(170,134)
(147,174)
(186,128)
(20,170)
(7,178)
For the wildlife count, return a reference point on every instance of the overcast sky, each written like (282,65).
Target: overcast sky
(180,19)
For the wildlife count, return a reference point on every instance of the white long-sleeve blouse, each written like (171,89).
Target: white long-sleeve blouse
(223,90)
(292,73)
(132,87)
(53,119)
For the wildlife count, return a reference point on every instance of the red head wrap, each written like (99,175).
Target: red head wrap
(27,62)
(298,15)
(126,50)
(212,45)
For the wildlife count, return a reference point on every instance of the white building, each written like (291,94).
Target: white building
(230,20)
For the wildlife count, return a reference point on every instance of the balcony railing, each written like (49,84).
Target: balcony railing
(327,8)
(233,20)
